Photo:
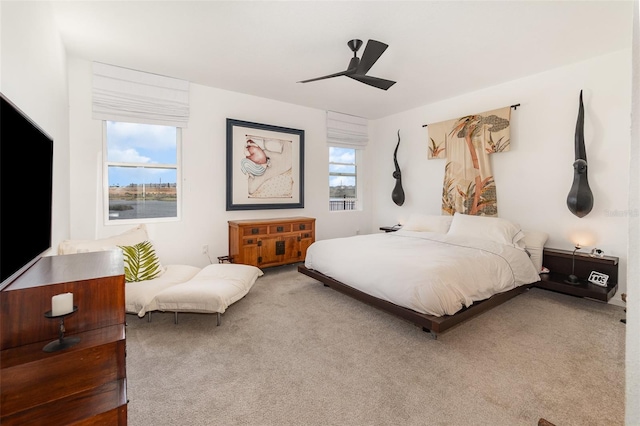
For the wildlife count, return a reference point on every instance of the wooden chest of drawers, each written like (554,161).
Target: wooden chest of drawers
(84,384)
(270,242)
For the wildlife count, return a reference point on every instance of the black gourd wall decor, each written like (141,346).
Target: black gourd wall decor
(397,195)
(580,198)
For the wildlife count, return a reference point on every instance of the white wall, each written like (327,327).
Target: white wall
(204,218)
(632,364)
(534,178)
(34,77)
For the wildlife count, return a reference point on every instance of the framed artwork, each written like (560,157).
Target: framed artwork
(265,166)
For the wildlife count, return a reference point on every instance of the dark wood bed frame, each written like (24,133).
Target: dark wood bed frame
(429,323)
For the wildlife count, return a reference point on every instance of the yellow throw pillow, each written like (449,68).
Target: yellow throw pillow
(141,262)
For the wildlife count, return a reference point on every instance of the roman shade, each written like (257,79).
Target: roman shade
(347,131)
(122,94)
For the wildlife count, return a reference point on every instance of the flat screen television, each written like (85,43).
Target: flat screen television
(26,183)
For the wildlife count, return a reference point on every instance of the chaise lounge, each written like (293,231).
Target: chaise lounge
(171,288)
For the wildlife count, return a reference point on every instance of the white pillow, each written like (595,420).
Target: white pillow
(534,242)
(141,262)
(487,228)
(128,238)
(427,223)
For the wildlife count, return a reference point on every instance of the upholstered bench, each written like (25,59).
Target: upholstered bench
(211,290)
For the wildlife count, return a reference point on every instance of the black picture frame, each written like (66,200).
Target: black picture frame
(253,184)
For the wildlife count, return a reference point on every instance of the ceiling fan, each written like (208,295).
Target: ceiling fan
(358,68)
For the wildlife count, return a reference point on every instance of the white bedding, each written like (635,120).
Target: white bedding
(430,273)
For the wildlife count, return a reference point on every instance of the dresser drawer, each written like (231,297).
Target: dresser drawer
(280,228)
(254,230)
(303,226)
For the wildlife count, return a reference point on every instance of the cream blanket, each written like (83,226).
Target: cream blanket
(430,273)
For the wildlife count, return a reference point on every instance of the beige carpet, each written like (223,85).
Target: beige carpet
(294,352)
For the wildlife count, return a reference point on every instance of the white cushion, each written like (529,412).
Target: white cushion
(211,290)
(128,238)
(140,296)
(487,228)
(428,223)
(534,242)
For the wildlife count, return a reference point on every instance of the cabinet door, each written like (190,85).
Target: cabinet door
(304,245)
(292,249)
(307,237)
(277,250)
(249,251)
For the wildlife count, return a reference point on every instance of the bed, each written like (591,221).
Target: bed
(436,271)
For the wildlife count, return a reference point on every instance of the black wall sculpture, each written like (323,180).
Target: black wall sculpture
(397,195)
(580,198)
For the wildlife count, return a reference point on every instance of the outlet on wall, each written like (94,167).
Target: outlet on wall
(205,249)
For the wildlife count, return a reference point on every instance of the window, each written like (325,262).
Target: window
(343,178)
(141,172)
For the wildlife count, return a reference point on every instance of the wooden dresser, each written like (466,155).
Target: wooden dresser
(85,383)
(270,242)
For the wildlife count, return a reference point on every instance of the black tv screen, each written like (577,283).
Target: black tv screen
(26,182)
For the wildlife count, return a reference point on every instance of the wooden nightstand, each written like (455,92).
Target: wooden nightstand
(559,264)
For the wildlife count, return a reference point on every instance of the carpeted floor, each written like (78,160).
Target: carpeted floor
(294,352)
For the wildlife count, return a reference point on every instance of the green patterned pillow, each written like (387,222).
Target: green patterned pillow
(141,262)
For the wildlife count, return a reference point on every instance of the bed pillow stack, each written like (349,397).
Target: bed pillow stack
(534,242)
(487,228)
(501,231)
(427,223)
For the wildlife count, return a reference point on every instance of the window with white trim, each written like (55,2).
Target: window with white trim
(347,136)
(343,178)
(141,172)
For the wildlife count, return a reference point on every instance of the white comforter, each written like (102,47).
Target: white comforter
(430,273)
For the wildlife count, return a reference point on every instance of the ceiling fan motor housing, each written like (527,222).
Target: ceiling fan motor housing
(354,45)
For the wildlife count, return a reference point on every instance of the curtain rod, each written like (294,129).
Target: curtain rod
(515,107)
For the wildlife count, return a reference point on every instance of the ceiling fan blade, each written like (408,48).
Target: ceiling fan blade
(338,74)
(380,83)
(371,54)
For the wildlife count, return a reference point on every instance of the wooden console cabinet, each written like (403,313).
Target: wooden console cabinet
(84,384)
(559,263)
(270,242)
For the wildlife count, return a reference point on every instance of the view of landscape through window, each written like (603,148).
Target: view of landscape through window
(142,168)
(342,179)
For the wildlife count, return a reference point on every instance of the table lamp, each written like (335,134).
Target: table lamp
(573,279)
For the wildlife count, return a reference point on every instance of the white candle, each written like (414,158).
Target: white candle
(62,304)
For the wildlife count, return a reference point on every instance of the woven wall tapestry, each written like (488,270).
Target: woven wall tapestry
(466,143)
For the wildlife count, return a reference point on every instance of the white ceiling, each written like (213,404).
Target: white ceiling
(437,49)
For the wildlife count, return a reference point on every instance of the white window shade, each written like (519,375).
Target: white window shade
(122,94)
(347,131)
